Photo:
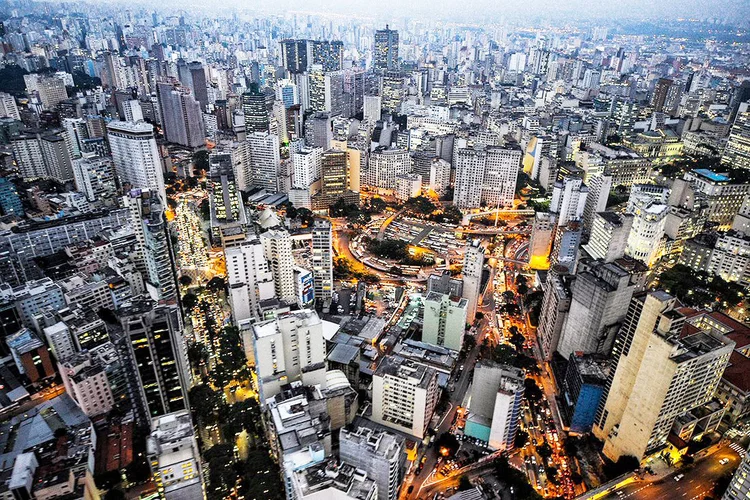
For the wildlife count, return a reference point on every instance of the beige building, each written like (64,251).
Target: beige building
(667,366)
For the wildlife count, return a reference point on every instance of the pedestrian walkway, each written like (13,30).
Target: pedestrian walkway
(739,449)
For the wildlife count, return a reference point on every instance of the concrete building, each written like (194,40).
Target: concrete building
(288,348)
(599,303)
(328,481)
(322,259)
(264,160)
(609,236)
(136,156)
(385,51)
(372,108)
(182,117)
(85,380)
(486,177)
(174,457)
(30,355)
(95,178)
(668,363)
(440,176)
(380,454)
(444,321)
(408,186)
(495,405)
(404,395)
(739,487)
(277,248)
(555,308)
(568,200)
(723,197)
(596,201)
(543,233)
(582,389)
(472,277)
(385,166)
(646,239)
(737,151)
(249,278)
(307,167)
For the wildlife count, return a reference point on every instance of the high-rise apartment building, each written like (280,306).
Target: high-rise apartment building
(322,259)
(609,236)
(294,55)
(495,408)
(249,278)
(666,363)
(486,177)
(95,178)
(307,166)
(136,156)
(739,487)
(737,151)
(265,160)
(289,348)
(568,200)
(385,52)
(182,118)
(277,248)
(255,111)
(404,395)
(554,311)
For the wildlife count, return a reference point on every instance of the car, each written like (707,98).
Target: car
(678,477)
(724,461)
(620,493)
(411,488)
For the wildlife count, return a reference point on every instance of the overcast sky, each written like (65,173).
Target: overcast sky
(671,9)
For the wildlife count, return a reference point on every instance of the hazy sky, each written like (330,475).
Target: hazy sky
(738,10)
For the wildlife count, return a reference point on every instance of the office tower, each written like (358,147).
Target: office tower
(30,355)
(495,407)
(486,177)
(319,131)
(294,55)
(336,181)
(288,348)
(255,111)
(665,365)
(264,160)
(277,248)
(599,302)
(568,200)
(136,156)
(174,457)
(394,377)
(198,83)
(646,238)
(8,107)
(322,259)
(596,200)
(182,118)
(737,151)
(659,97)
(226,209)
(307,166)
(543,233)
(157,357)
(472,277)
(582,389)
(554,310)
(325,92)
(288,93)
(444,320)
(95,178)
(154,253)
(379,453)
(249,278)
(328,54)
(440,176)
(421,163)
(132,111)
(609,236)
(10,202)
(392,91)
(373,106)
(385,52)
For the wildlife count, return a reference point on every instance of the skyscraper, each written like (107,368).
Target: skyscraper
(264,160)
(322,259)
(250,281)
(182,118)
(739,487)
(255,111)
(198,79)
(486,177)
(158,357)
(472,277)
(668,361)
(136,156)
(380,453)
(277,247)
(385,57)
(444,320)
(294,55)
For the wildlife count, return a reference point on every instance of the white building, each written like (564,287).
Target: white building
(440,176)
(95,178)
(385,166)
(265,160)
(444,320)
(174,457)
(289,348)
(8,107)
(322,259)
(86,381)
(472,277)
(408,186)
(646,238)
(609,235)
(249,278)
(404,395)
(568,200)
(486,176)
(307,167)
(277,248)
(373,105)
(136,156)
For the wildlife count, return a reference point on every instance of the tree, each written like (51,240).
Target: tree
(200,161)
(479,315)
(523,289)
(532,390)
(420,205)
(82,81)
(504,354)
(189,301)
(114,495)
(522,437)
(11,79)
(447,444)
(185,280)
(197,353)
(222,475)
(206,403)
(544,450)
(464,483)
